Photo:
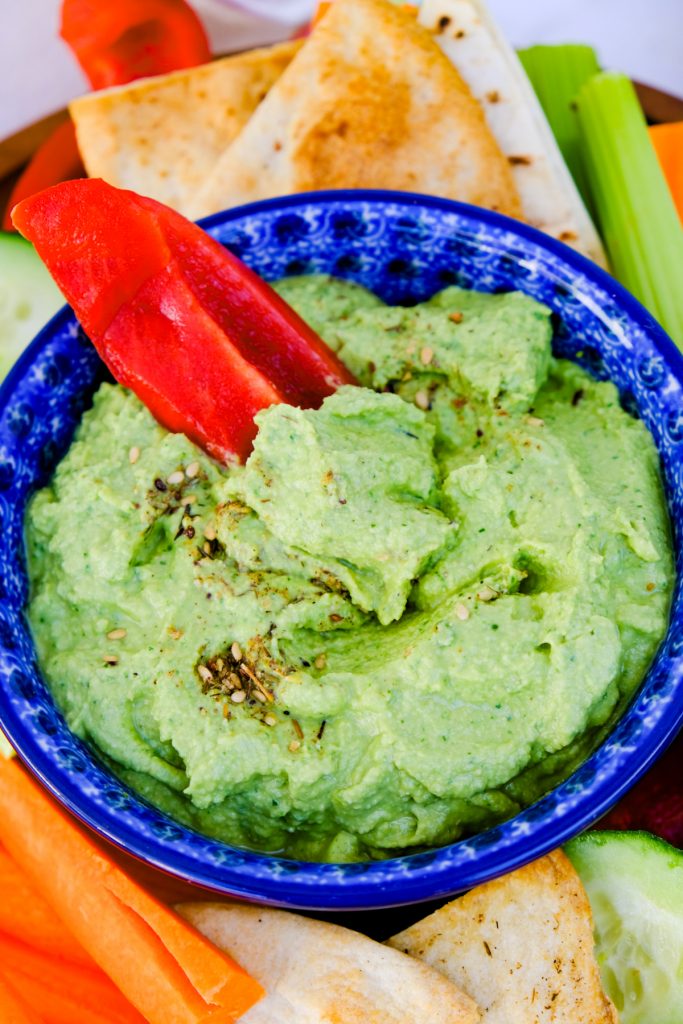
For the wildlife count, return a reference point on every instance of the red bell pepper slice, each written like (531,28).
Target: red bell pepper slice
(56,159)
(196,334)
(116,41)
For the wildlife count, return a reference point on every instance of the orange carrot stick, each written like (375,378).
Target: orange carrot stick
(668,142)
(89,989)
(57,1008)
(320,10)
(52,1007)
(25,915)
(13,1009)
(169,972)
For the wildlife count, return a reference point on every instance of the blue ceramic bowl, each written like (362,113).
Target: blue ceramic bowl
(405,248)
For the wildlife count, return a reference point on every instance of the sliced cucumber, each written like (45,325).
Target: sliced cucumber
(634,883)
(28,297)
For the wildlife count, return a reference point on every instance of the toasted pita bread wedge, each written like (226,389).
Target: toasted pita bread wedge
(369,101)
(491,69)
(521,946)
(319,973)
(162,136)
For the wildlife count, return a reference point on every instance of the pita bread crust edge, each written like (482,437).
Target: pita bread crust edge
(521,946)
(550,200)
(320,973)
(162,136)
(369,101)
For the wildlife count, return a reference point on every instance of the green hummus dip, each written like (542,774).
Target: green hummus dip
(410,614)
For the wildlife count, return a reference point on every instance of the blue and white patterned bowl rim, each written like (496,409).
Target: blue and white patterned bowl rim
(405,247)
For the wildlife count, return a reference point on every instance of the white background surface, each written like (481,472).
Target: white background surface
(38,75)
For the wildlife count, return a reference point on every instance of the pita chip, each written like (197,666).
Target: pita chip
(369,101)
(491,69)
(319,973)
(520,946)
(161,136)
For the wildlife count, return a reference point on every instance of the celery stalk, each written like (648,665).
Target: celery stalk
(636,213)
(557,73)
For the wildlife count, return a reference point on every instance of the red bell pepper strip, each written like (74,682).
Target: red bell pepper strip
(57,159)
(116,41)
(200,338)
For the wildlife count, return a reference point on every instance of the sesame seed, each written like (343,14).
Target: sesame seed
(422,400)
(237,696)
(426,356)
(650,587)
(133,455)
(192,470)
(236,651)
(462,612)
(210,533)
(535,421)
(294,746)
(487,594)
(457,318)
(320,661)
(111,659)
(206,549)
(270,720)
(175,478)
(189,499)
(205,673)
(235,681)
(116,634)
(174,633)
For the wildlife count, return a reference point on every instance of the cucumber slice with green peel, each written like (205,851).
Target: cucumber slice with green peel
(634,883)
(28,297)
